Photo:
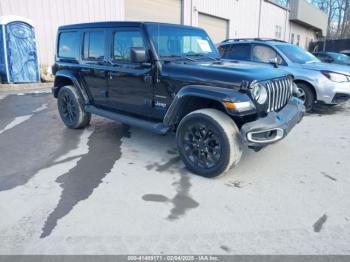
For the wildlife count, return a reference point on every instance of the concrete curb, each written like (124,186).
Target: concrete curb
(23,87)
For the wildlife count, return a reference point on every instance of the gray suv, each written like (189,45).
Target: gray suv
(316,81)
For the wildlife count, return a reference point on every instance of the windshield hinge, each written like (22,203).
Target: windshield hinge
(244,85)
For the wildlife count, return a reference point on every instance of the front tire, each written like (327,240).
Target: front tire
(71,108)
(208,142)
(306,95)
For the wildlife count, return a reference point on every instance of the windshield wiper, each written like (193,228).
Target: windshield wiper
(177,57)
(203,55)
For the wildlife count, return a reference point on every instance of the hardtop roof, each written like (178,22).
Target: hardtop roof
(109,24)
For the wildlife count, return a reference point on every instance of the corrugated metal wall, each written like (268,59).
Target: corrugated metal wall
(47,15)
(246,19)
(272,16)
(243,16)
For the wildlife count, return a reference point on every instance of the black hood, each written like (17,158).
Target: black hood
(220,72)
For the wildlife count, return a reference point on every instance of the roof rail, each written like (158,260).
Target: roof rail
(270,39)
(253,39)
(228,40)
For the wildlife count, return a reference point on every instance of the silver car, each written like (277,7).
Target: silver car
(315,81)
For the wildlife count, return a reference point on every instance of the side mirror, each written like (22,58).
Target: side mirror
(276,61)
(137,55)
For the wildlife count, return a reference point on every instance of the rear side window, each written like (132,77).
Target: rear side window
(238,52)
(68,45)
(94,45)
(123,41)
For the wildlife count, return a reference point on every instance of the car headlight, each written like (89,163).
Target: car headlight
(336,77)
(259,93)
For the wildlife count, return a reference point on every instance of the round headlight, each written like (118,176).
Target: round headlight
(259,93)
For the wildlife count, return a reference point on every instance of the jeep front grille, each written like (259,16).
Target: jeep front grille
(279,92)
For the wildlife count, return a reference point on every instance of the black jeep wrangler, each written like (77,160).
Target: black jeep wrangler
(165,77)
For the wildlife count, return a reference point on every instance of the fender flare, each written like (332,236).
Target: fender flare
(214,93)
(74,78)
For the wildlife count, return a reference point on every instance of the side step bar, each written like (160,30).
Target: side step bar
(158,128)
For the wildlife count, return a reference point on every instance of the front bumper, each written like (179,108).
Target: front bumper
(274,127)
(333,93)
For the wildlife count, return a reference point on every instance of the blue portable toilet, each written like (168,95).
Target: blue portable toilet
(18,52)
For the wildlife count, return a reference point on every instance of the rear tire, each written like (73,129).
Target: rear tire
(307,96)
(209,142)
(71,108)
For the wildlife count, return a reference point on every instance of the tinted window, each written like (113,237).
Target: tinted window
(263,54)
(123,41)
(68,46)
(283,3)
(94,45)
(239,52)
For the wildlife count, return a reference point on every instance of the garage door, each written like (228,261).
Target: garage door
(216,27)
(166,11)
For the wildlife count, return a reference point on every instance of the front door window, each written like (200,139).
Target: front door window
(123,42)
(264,54)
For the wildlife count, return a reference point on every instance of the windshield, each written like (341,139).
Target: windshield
(297,54)
(175,41)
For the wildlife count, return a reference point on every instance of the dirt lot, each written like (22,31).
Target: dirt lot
(111,189)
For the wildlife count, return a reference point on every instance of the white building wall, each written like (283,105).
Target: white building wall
(306,35)
(47,15)
(235,11)
(245,22)
(273,16)
(218,8)
(243,16)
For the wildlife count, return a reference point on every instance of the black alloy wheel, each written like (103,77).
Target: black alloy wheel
(71,108)
(68,107)
(202,145)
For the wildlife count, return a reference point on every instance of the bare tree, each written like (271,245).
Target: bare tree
(338,12)
(345,24)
